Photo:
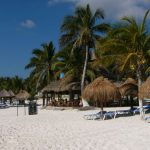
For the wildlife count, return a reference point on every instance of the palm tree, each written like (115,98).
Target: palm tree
(71,65)
(131,42)
(17,84)
(82,30)
(14,83)
(41,63)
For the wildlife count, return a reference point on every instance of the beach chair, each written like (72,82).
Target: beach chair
(109,115)
(147,119)
(96,116)
(123,113)
(146,109)
(3,106)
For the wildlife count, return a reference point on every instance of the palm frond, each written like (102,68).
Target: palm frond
(144,20)
(129,57)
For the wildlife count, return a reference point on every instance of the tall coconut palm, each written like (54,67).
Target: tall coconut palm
(41,63)
(82,30)
(71,66)
(132,43)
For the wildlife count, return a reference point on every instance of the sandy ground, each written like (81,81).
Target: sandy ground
(67,130)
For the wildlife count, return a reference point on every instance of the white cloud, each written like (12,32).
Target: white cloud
(28,23)
(114,9)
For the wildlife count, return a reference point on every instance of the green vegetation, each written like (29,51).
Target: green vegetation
(122,50)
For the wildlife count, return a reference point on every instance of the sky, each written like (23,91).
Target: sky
(26,24)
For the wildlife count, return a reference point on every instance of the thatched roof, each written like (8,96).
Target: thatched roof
(129,87)
(11,93)
(144,91)
(22,95)
(54,86)
(57,86)
(130,80)
(4,93)
(74,86)
(101,90)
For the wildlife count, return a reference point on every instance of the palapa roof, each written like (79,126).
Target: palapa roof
(22,95)
(101,90)
(11,93)
(4,93)
(144,91)
(54,86)
(130,80)
(57,86)
(74,86)
(129,87)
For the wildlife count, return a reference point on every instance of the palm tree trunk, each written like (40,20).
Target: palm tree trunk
(131,101)
(43,99)
(102,108)
(48,77)
(84,102)
(139,85)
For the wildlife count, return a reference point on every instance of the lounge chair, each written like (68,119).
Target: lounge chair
(146,109)
(123,113)
(3,106)
(109,115)
(96,116)
(147,119)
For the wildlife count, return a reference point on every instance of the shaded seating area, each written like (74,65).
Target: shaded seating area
(22,96)
(128,91)
(61,95)
(144,93)
(6,96)
(101,91)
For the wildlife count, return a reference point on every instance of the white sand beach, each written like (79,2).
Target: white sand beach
(67,130)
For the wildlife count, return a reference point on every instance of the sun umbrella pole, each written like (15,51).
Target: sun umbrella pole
(17,107)
(24,108)
(101,108)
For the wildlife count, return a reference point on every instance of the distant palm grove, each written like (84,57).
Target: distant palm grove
(89,47)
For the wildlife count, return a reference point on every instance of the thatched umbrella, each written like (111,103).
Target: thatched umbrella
(130,80)
(22,95)
(144,91)
(11,93)
(129,88)
(101,90)
(4,94)
(73,86)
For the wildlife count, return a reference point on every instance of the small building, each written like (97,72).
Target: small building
(59,94)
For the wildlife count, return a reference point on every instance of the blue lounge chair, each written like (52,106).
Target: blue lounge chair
(109,115)
(124,113)
(2,106)
(147,119)
(96,116)
(146,109)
